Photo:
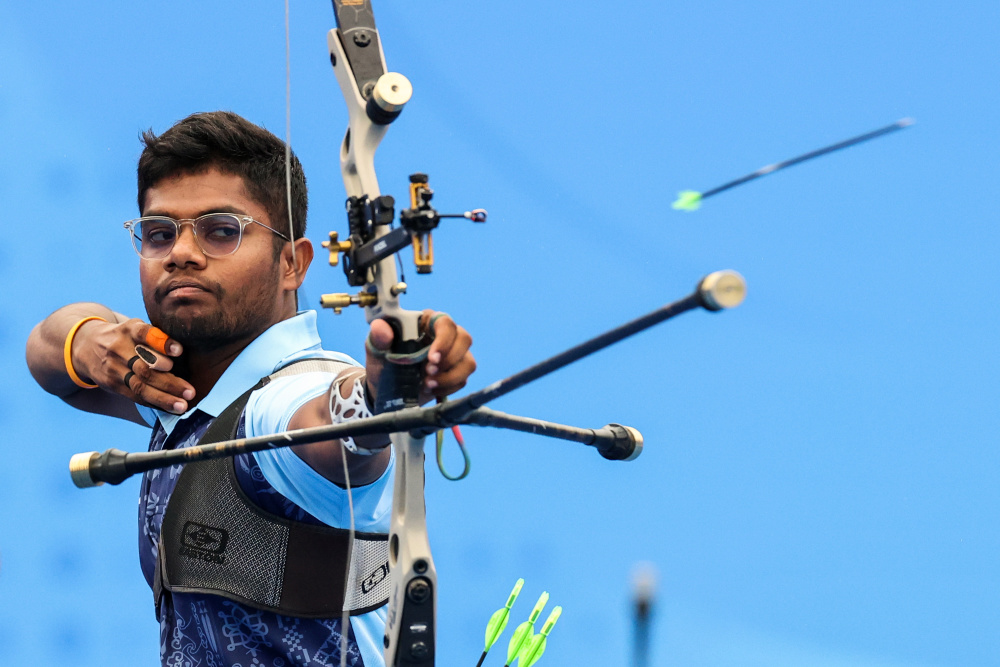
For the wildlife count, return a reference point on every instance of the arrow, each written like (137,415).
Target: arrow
(535,646)
(498,621)
(523,632)
(690,200)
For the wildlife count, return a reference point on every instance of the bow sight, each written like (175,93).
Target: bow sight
(368,243)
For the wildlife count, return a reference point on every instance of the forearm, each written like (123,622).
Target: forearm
(327,457)
(47,342)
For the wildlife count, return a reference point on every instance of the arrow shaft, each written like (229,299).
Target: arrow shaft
(771,168)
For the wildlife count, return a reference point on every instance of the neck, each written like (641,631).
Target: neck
(203,366)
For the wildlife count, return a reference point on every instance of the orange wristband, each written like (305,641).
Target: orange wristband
(68,352)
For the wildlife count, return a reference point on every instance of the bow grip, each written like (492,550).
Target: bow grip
(403,373)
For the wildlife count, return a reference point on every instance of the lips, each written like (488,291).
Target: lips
(182,289)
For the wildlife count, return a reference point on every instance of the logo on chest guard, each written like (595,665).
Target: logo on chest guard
(375,578)
(204,543)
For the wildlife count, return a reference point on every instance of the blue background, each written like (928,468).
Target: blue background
(819,484)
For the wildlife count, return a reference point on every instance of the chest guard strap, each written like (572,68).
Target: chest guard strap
(215,540)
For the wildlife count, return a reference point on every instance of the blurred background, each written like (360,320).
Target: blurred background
(819,485)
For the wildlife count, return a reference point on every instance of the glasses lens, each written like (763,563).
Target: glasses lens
(154,236)
(219,233)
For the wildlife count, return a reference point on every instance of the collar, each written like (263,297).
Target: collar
(264,355)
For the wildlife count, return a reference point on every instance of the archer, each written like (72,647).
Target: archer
(253,569)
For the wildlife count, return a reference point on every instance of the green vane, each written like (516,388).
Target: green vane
(523,632)
(498,621)
(687,200)
(535,647)
(690,200)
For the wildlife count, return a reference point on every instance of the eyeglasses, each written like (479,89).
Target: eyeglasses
(217,234)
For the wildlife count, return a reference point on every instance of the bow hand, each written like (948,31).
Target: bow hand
(446,358)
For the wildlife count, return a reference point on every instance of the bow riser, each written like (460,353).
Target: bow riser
(410,624)
(357,166)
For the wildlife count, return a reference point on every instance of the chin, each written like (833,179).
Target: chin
(206,332)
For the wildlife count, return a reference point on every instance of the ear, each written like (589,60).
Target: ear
(293,270)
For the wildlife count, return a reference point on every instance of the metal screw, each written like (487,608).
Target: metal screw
(418,591)
(362,39)
(419,650)
(420,566)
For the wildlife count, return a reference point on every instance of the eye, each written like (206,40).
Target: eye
(157,233)
(219,229)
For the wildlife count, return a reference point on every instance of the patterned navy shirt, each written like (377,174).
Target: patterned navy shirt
(199,629)
(206,630)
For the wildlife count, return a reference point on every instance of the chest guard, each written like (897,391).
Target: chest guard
(215,540)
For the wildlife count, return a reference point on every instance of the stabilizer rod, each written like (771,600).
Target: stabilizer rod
(719,290)
(722,289)
(614,442)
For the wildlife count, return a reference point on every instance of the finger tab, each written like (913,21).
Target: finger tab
(157,340)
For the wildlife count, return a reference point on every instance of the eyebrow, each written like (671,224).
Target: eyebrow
(213,209)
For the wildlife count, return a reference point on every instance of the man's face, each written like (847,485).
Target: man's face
(210,302)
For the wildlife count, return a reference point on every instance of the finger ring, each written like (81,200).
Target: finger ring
(434,318)
(146,354)
(372,350)
(131,363)
(128,378)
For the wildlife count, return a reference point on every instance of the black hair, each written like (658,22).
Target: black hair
(233,145)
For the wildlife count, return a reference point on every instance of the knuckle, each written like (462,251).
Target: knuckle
(145,392)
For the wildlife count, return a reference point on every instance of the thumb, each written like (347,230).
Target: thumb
(380,336)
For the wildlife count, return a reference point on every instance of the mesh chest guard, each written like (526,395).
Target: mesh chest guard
(215,540)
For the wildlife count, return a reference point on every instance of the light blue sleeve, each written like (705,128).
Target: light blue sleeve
(368,631)
(268,411)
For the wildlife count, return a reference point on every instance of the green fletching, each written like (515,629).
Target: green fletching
(532,651)
(521,635)
(687,200)
(534,647)
(496,626)
(523,632)
(500,617)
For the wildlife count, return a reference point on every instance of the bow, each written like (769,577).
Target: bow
(375,97)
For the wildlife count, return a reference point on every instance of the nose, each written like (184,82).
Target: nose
(186,251)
